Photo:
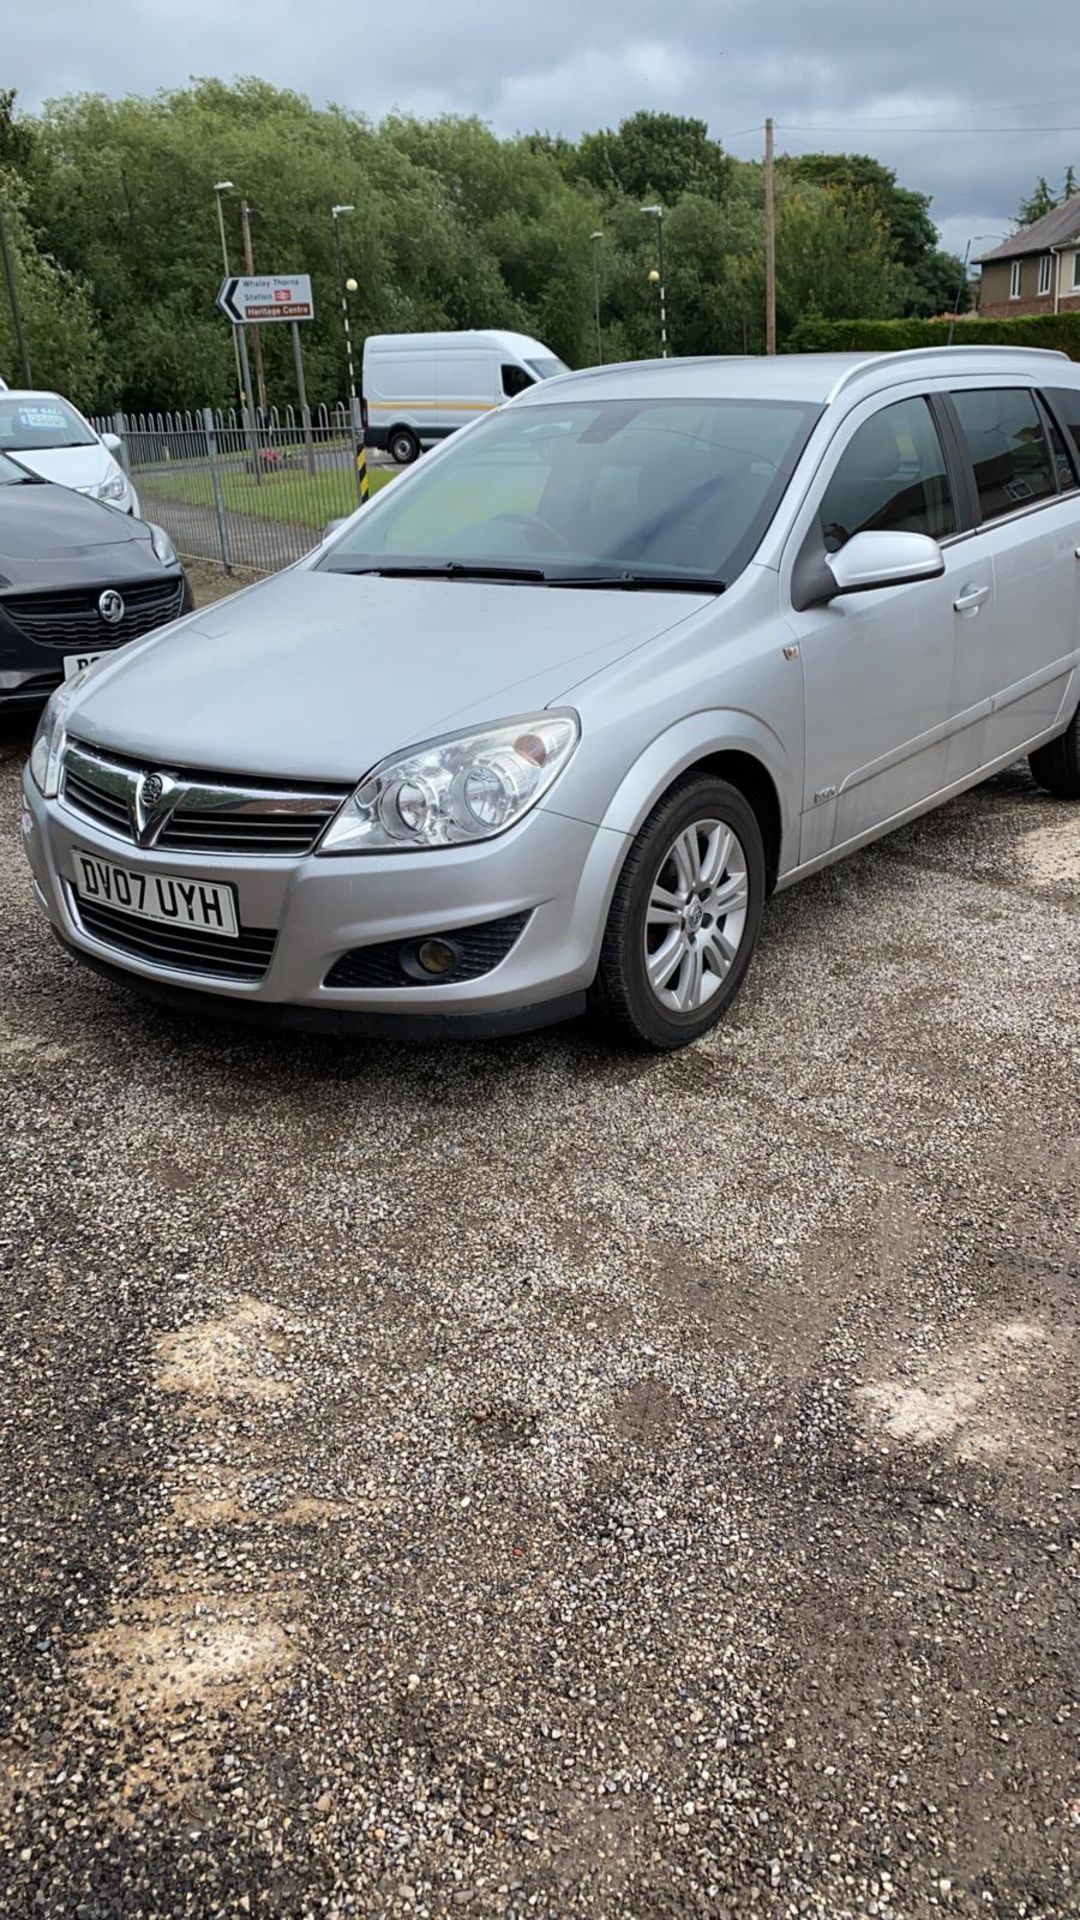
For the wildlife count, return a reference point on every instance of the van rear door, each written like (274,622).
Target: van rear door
(399,387)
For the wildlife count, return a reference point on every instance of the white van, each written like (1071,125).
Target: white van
(417,387)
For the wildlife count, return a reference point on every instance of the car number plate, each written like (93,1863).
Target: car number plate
(163,897)
(75,662)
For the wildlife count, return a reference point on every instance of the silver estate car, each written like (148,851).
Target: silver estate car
(544,724)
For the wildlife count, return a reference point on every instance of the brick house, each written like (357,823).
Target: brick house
(1036,270)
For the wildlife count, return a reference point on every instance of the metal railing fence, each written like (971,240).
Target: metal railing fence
(250,491)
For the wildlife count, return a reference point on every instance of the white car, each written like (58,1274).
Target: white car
(49,437)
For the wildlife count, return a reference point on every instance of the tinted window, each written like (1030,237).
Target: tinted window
(1007,447)
(1066,404)
(515,380)
(891,478)
(651,487)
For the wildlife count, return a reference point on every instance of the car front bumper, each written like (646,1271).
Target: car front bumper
(558,871)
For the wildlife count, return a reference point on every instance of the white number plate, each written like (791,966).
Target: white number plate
(75,662)
(156,896)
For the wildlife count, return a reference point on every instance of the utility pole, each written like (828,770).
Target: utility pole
(249,267)
(13,296)
(770,241)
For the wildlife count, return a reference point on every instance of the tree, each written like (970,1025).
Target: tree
(1042,200)
(62,337)
(662,155)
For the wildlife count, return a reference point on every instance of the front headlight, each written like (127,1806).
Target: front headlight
(114,488)
(48,747)
(163,546)
(470,786)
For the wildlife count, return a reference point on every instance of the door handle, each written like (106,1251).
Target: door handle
(970,599)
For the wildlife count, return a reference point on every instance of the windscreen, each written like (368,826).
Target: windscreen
(12,475)
(546,366)
(33,421)
(679,489)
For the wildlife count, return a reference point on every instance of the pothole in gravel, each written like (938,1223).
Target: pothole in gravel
(994,1400)
(42,1052)
(185,1651)
(1051,854)
(234,1358)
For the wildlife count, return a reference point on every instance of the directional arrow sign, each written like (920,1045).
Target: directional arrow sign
(267,296)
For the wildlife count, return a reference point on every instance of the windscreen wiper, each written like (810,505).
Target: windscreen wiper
(448,570)
(637,582)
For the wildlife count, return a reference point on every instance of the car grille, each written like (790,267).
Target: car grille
(213,812)
(391,963)
(183,949)
(71,619)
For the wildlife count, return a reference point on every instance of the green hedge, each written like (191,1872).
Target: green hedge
(1057,330)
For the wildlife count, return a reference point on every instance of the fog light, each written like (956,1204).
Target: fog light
(436,957)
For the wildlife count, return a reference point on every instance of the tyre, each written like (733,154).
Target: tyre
(403,446)
(684,919)
(1057,765)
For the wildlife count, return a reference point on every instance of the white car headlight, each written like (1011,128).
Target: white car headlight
(469,786)
(163,546)
(114,488)
(48,747)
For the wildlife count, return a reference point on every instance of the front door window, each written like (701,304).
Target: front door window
(891,477)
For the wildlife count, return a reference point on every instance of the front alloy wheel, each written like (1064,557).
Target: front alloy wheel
(685,916)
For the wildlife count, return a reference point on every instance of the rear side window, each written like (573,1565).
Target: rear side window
(1008,449)
(1065,402)
(890,478)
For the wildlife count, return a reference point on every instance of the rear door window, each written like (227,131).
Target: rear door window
(1065,402)
(1009,453)
(891,477)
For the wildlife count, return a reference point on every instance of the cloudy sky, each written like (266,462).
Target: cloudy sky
(958,97)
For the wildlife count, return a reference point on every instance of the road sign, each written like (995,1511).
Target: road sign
(263,297)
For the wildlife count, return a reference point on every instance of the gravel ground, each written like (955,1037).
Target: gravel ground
(519,1480)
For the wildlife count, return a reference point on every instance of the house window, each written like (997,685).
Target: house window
(1014,280)
(1076,269)
(1045,270)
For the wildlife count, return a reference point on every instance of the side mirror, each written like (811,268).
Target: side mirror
(331,528)
(114,444)
(872,560)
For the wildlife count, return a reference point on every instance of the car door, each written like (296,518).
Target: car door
(878,667)
(1021,658)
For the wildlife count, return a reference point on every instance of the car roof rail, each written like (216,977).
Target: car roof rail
(905,355)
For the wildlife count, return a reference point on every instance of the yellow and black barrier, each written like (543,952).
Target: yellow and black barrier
(362,475)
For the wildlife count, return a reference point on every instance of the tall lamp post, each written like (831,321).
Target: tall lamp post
(220,187)
(362,483)
(657,213)
(973,241)
(594,242)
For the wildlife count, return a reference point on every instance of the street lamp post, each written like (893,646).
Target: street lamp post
(220,187)
(972,242)
(594,241)
(362,482)
(657,213)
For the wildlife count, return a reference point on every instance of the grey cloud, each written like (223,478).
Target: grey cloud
(861,73)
